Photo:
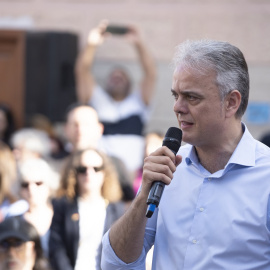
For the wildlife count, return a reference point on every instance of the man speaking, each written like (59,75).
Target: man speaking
(214,211)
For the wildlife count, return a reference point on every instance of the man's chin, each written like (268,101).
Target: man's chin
(187,139)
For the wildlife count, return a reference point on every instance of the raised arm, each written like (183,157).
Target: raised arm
(147,63)
(85,81)
(127,234)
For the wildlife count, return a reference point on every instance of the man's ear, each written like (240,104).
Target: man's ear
(232,103)
(101,129)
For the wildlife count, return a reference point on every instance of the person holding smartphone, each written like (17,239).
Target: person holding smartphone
(122,111)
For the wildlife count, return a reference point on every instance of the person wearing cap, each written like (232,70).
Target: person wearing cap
(20,247)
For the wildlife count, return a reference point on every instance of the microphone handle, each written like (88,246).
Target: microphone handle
(154,197)
(172,140)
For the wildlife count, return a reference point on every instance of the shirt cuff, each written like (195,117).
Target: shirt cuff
(110,261)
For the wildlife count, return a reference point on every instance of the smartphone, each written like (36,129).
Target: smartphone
(117,29)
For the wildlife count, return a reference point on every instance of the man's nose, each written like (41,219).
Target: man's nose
(11,252)
(180,106)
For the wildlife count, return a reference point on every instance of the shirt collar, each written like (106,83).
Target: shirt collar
(244,153)
(192,157)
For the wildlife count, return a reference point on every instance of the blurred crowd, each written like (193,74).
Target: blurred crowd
(59,193)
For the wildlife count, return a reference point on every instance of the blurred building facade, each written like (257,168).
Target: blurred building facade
(164,24)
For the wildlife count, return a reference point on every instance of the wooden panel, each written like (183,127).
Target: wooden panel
(12,50)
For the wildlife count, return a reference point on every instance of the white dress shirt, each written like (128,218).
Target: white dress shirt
(210,221)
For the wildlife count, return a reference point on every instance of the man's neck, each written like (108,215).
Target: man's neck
(216,157)
(118,97)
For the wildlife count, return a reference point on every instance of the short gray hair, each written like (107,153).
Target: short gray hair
(33,140)
(38,169)
(225,59)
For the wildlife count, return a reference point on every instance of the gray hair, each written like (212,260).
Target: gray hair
(38,169)
(225,59)
(33,140)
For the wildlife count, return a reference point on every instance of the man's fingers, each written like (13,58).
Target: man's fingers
(178,160)
(164,171)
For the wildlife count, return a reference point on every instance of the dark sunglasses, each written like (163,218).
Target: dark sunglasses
(26,184)
(83,169)
(5,245)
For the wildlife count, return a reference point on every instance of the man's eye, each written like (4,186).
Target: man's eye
(175,96)
(189,97)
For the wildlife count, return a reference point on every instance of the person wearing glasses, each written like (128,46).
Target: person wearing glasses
(36,184)
(82,130)
(89,201)
(20,247)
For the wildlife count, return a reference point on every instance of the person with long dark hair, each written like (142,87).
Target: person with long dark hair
(89,202)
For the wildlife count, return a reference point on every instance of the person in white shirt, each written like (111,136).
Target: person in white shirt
(122,110)
(214,213)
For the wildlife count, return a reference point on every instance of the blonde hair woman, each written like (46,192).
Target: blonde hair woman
(9,203)
(89,202)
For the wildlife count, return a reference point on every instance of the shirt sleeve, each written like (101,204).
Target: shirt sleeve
(110,261)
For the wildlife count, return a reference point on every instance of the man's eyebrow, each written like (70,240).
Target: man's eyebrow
(187,92)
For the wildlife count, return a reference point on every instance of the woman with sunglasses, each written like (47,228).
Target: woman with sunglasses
(90,201)
(36,183)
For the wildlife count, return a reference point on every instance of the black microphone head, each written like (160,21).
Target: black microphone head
(172,139)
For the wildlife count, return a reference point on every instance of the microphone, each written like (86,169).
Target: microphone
(172,140)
